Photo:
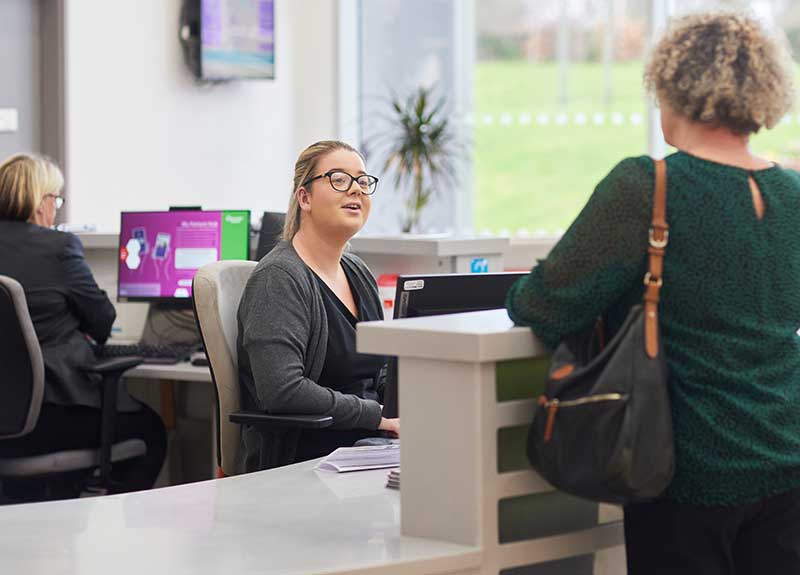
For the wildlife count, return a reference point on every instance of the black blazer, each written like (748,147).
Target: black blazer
(65,304)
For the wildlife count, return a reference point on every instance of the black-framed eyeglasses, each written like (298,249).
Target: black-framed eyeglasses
(342,181)
(59,200)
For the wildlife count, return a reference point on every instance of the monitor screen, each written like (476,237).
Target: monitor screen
(237,39)
(159,252)
(439,294)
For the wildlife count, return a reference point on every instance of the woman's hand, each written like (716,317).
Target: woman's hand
(391,425)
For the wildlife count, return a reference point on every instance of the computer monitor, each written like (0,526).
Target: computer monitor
(439,294)
(271,232)
(159,252)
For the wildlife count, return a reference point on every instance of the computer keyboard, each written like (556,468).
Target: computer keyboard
(161,353)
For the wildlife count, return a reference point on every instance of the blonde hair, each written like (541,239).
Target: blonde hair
(303,168)
(722,69)
(24,181)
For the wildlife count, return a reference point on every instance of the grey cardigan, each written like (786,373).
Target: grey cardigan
(283,336)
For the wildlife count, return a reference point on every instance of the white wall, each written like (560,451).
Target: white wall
(314,49)
(142,135)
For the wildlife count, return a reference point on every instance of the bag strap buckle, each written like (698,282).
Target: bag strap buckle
(658,244)
(654,281)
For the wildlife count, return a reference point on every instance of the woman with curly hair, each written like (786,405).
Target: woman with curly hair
(730,303)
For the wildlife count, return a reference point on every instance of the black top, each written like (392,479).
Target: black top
(65,304)
(345,370)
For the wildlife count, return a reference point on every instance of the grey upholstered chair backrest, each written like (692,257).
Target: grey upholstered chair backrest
(21,363)
(217,290)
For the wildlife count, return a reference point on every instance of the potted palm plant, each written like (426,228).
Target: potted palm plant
(420,150)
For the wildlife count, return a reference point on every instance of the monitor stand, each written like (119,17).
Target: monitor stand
(171,323)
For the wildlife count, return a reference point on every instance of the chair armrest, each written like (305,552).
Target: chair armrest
(281,421)
(119,364)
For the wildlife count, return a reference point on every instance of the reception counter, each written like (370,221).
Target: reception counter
(467,384)
(468,502)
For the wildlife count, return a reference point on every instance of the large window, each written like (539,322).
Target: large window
(558,100)
(549,94)
(404,45)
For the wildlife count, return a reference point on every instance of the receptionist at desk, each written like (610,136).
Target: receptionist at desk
(299,311)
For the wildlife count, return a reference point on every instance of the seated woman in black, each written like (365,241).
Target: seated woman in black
(66,306)
(300,307)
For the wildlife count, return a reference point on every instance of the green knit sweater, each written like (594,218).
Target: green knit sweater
(729,313)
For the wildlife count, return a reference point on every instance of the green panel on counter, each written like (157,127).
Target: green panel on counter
(511,455)
(521,378)
(543,515)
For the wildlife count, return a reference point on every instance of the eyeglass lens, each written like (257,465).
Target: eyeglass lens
(341,182)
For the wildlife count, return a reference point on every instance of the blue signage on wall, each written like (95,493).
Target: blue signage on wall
(479,266)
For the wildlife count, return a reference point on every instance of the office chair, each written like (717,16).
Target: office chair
(216,291)
(21,397)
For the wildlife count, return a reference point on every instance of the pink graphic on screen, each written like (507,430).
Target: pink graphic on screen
(161,251)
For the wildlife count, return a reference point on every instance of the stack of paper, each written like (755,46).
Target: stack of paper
(393,479)
(361,458)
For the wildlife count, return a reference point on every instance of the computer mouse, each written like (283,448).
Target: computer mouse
(198,358)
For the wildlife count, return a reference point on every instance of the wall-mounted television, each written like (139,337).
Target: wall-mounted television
(237,39)
(229,39)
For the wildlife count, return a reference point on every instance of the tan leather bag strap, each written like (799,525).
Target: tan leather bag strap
(653,280)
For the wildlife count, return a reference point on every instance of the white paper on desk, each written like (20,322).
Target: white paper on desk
(362,458)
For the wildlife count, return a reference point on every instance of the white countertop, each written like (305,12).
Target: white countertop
(98,240)
(480,336)
(422,244)
(291,520)
(439,245)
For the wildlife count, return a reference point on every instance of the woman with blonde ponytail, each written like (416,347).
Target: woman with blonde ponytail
(299,310)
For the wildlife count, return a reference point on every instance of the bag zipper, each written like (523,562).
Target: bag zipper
(552,406)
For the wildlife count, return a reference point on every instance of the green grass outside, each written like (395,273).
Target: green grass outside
(537,177)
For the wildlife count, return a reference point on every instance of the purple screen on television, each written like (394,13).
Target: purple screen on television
(159,252)
(237,39)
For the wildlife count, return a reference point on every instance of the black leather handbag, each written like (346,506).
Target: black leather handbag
(603,428)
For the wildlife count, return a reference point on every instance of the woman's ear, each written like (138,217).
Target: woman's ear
(303,199)
(39,215)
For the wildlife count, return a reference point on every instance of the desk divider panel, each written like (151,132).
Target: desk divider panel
(465,474)
(530,513)
(521,378)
